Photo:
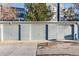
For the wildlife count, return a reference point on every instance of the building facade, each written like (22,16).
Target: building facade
(20,12)
(11,13)
(53,7)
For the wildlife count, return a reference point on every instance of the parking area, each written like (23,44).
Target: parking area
(58,49)
(39,48)
(19,48)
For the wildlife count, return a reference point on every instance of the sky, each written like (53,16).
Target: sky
(20,5)
(67,5)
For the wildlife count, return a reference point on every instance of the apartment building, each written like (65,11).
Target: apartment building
(53,7)
(11,13)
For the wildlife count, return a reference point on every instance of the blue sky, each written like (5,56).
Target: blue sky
(67,5)
(21,5)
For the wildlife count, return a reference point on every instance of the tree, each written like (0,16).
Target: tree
(70,14)
(38,12)
(0,13)
(76,5)
(76,9)
(7,12)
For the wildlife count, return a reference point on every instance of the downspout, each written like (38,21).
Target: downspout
(58,11)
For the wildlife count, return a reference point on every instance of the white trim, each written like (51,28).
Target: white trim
(2,37)
(30,34)
(76,31)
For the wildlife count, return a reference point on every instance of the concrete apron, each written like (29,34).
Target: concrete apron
(24,41)
(69,41)
(19,48)
(35,41)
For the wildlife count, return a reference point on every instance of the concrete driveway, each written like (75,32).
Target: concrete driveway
(18,49)
(60,48)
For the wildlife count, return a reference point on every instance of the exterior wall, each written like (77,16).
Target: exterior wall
(63,32)
(25,29)
(10,32)
(59,32)
(0,33)
(52,31)
(38,32)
